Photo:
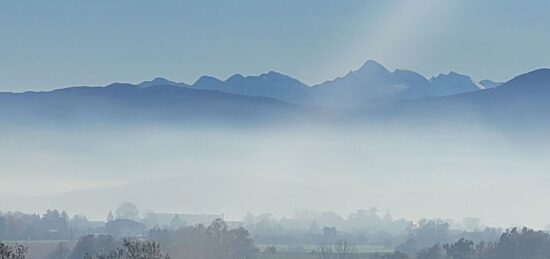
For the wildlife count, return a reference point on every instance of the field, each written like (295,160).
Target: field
(305,249)
(39,249)
(288,256)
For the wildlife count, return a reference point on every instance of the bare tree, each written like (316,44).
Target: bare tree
(345,249)
(13,252)
(133,249)
(136,249)
(325,251)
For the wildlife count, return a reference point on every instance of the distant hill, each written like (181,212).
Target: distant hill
(125,103)
(159,81)
(522,101)
(528,92)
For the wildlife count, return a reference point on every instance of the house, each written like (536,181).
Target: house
(125,228)
(164,220)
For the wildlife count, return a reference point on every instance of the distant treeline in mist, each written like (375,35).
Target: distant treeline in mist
(217,241)
(515,243)
(305,227)
(124,234)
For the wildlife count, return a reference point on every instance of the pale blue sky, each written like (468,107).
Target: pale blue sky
(51,44)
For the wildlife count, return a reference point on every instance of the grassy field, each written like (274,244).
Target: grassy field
(289,252)
(308,248)
(309,256)
(39,249)
(288,256)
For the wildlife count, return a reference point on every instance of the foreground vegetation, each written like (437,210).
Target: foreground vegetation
(54,235)
(218,242)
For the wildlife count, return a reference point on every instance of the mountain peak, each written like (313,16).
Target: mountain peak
(372,63)
(156,82)
(373,66)
(455,74)
(273,74)
(160,79)
(452,76)
(235,77)
(454,83)
(207,79)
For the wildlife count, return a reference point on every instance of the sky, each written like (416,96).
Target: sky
(52,44)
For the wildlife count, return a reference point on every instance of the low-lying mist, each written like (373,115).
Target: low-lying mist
(415,172)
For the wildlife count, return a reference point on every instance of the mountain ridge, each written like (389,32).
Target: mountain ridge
(522,101)
(524,98)
(370,83)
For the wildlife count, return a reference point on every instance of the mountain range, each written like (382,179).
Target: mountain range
(522,102)
(372,82)
(371,90)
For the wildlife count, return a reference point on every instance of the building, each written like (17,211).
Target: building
(124,228)
(164,220)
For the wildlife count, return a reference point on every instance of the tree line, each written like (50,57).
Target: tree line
(52,225)
(215,241)
(218,241)
(514,243)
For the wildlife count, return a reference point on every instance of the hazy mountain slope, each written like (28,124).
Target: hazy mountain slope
(453,83)
(520,102)
(159,81)
(271,84)
(370,82)
(123,103)
(522,99)
(525,96)
(373,83)
(528,92)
